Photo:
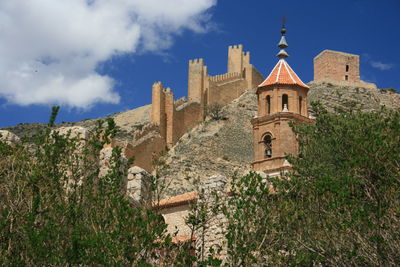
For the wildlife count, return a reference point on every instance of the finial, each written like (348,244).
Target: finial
(282,43)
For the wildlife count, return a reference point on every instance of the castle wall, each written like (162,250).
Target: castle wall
(185,117)
(253,77)
(339,68)
(175,118)
(225,92)
(145,150)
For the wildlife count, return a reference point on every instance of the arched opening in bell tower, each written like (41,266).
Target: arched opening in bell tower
(268,99)
(285,102)
(268,146)
(300,104)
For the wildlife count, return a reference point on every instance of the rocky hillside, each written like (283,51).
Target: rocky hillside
(127,121)
(213,147)
(365,99)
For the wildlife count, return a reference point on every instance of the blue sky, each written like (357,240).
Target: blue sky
(94,58)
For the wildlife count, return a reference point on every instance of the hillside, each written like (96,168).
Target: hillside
(127,121)
(226,146)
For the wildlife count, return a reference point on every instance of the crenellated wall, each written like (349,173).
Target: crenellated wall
(174,118)
(170,118)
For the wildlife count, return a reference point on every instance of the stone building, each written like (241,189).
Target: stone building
(282,98)
(339,68)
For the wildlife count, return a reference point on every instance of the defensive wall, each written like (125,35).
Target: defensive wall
(174,118)
(171,118)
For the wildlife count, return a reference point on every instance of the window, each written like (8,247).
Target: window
(268,146)
(346,77)
(300,103)
(347,68)
(285,102)
(268,104)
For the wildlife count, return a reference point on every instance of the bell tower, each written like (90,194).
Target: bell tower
(282,98)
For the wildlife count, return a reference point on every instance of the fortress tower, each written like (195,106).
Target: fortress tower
(282,98)
(196,80)
(339,68)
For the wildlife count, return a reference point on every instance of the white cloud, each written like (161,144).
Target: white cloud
(381,66)
(49,49)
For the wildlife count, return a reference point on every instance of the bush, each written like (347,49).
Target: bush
(215,111)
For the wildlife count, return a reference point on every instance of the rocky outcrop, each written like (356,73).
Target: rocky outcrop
(8,137)
(365,99)
(213,147)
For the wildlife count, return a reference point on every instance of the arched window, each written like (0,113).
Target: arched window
(268,146)
(268,104)
(285,101)
(300,103)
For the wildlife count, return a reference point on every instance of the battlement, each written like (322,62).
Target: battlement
(196,61)
(167,91)
(226,77)
(239,46)
(180,101)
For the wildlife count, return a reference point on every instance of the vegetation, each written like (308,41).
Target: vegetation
(215,111)
(57,210)
(339,207)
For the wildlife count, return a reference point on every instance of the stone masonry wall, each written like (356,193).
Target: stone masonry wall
(145,149)
(225,92)
(186,117)
(339,68)
(212,192)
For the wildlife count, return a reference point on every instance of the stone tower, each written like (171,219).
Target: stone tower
(282,98)
(339,68)
(196,80)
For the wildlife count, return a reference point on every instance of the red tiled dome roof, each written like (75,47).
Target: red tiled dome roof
(282,74)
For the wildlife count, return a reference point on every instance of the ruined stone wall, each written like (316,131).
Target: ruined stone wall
(339,68)
(145,149)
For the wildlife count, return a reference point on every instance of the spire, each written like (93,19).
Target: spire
(283,44)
